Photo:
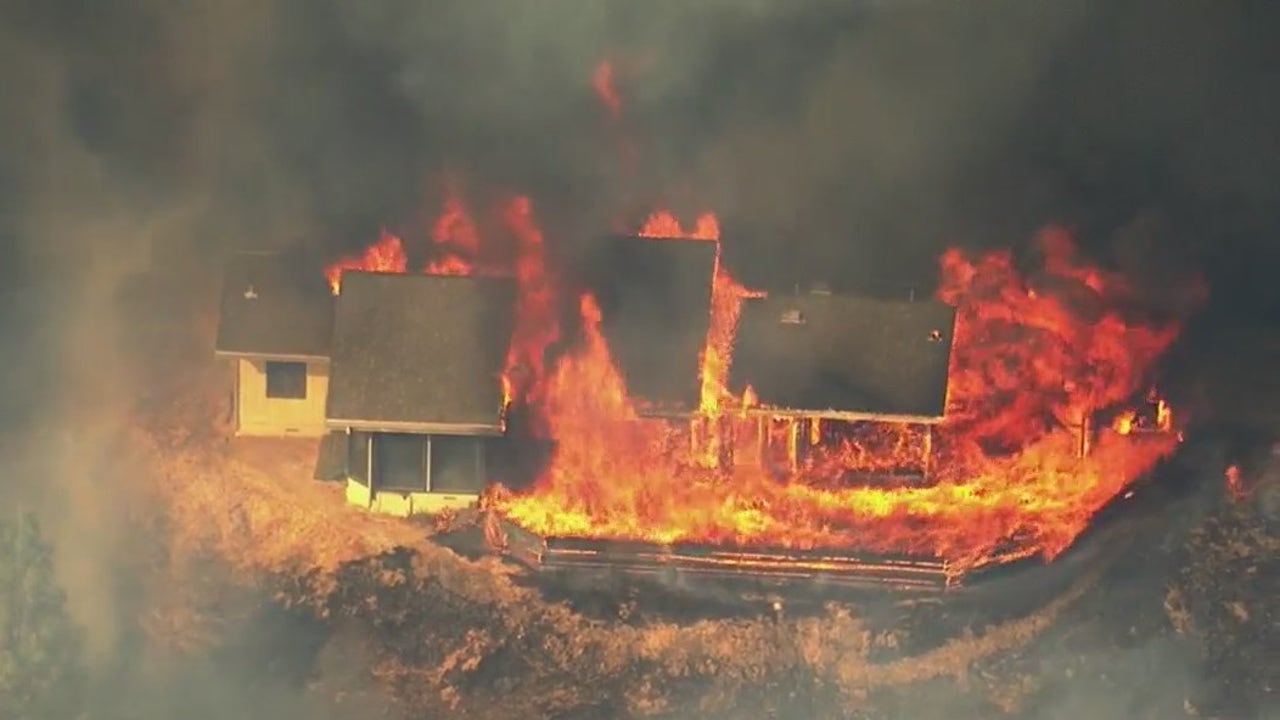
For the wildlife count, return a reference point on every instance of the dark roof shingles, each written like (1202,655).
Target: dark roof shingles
(849,355)
(272,306)
(420,349)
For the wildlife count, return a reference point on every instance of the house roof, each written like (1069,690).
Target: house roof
(655,304)
(420,353)
(272,306)
(846,357)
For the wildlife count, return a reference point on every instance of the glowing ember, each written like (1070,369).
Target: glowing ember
(1235,486)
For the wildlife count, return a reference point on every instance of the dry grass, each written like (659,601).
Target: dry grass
(254,504)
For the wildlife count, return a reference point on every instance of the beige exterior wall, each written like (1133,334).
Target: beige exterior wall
(259,415)
(406,504)
(358,493)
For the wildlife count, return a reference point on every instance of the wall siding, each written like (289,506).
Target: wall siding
(259,415)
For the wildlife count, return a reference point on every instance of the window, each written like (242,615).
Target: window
(286,380)
(457,464)
(358,456)
(400,462)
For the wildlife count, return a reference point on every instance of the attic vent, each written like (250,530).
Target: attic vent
(935,336)
(250,294)
(792,317)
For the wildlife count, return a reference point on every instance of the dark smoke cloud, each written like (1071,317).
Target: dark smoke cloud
(140,140)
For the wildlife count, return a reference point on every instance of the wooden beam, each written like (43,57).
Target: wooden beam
(928,451)
(765,411)
(416,428)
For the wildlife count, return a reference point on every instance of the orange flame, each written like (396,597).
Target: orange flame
(456,247)
(1008,479)
(456,240)
(384,255)
(726,307)
(602,82)
(1124,422)
(1005,476)
(537,324)
(662,224)
(1235,486)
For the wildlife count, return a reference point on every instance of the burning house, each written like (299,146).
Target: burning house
(693,425)
(416,392)
(400,374)
(746,386)
(854,440)
(815,369)
(654,296)
(275,327)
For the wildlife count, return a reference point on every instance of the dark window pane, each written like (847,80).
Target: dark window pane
(358,456)
(332,456)
(457,465)
(287,380)
(398,462)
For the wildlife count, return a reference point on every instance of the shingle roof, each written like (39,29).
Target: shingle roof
(420,353)
(274,306)
(839,355)
(655,304)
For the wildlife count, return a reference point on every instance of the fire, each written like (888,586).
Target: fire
(1125,421)
(1160,418)
(1009,477)
(537,319)
(726,307)
(456,240)
(456,249)
(1164,415)
(1034,359)
(1235,486)
(602,82)
(662,224)
(1017,468)
(385,255)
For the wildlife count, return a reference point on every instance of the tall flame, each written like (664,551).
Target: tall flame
(456,240)
(456,249)
(537,323)
(727,295)
(1009,478)
(1017,468)
(384,255)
